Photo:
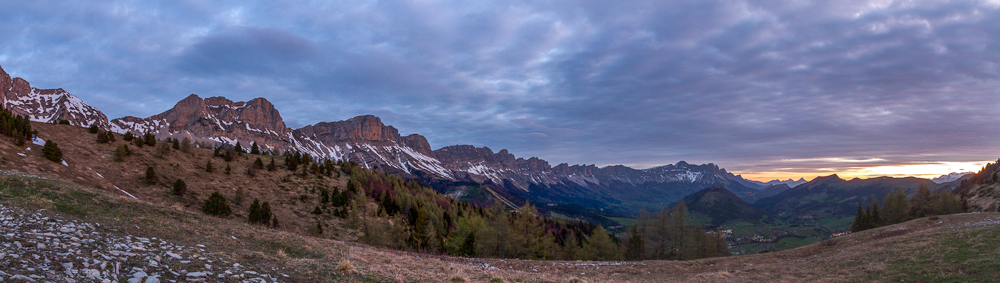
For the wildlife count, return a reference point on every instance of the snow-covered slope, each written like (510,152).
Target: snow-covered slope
(47,105)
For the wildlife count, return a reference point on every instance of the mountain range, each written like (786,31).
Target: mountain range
(366,140)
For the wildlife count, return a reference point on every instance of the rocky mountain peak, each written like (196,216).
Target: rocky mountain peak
(357,129)
(21,86)
(5,84)
(47,105)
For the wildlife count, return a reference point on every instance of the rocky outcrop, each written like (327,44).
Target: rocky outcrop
(51,249)
(363,139)
(47,105)
(215,119)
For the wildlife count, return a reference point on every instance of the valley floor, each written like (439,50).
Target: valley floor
(92,235)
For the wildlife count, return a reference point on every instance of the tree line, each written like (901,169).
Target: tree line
(16,126)
(397,213)
(896,208)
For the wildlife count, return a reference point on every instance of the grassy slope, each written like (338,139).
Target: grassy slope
(958,248)
(91,164)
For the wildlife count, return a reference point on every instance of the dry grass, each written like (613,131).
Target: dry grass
(292,198)
(345,266)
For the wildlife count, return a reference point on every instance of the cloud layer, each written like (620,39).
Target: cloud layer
(756,87)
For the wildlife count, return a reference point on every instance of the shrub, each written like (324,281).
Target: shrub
(111,136)
(150,139)
(208,167)
(251,170)
(63,122)
(229,154)
(93,129)
(216,205)
(138,142)
(185,145)
(51,151)
(121,152)
(162,150)
(260,213)
(128,136)
(150,175)
(229,170)
(240,195)
(180,187)
(345,266)
(102,137)
(176,144)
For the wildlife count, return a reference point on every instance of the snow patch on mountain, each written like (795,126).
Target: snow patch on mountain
(951,177)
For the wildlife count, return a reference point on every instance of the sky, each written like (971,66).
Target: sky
(766,89)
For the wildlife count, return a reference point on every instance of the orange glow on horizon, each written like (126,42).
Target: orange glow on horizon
(921,170)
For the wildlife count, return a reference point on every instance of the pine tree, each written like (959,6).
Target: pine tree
(271,166)
(600,246)
(121,152)
(216,205)
(874,219)
(635,245)
(208,167)
(856,224)
(469,245)
(258,163)
(128,136)
(102,137)
(176,144)
(254,149)
(895,208)
(150,139)
(51,151)
(93,129)
(923,202)
(239,148)
(265,213)
(150,175)
(180,187)
(186,145)
(678,234)
(255,215)
(229,170)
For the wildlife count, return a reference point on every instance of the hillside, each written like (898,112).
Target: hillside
(953,248)
(716,206)
(833,197)
(92,164)
(983,188)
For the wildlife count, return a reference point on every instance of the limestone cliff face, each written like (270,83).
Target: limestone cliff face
(363,139)
(47,105)
(217,119)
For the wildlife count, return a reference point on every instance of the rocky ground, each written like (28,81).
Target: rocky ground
(35,247)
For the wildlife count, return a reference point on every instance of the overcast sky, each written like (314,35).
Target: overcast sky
(764,88)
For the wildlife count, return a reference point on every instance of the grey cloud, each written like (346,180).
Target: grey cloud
(736,83)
